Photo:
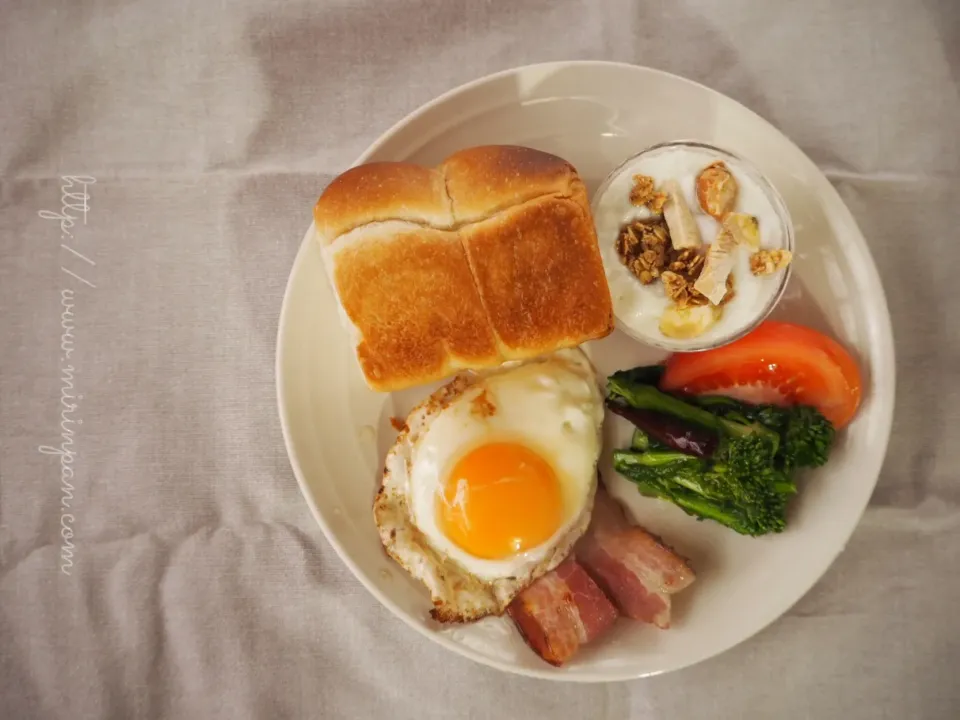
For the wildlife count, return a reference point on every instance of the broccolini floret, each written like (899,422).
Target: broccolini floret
(744,481)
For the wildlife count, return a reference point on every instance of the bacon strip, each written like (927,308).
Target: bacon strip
(633,567)
(595,610)
(561,611)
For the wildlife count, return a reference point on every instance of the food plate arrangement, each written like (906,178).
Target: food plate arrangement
(585,371)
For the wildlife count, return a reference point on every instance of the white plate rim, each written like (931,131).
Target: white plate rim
(885,388)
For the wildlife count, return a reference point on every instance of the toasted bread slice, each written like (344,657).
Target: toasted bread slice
(540,277)
(492,256)
(410,297)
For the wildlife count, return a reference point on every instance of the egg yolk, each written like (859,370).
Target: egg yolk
(500,499)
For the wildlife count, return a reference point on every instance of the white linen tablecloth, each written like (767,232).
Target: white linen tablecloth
(200,586)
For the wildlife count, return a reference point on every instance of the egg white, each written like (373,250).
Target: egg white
(552,405)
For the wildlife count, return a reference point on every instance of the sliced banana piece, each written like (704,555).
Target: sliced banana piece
(744,228)
(688,322)
(718,264)
(684,232)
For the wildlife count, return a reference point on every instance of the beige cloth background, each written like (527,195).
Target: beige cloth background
(200,586)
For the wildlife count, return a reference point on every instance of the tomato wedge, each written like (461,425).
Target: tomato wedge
(779,363)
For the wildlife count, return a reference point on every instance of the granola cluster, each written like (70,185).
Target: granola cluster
(682,273)
(644,193)
(679,288)
(767,262)
(645,248)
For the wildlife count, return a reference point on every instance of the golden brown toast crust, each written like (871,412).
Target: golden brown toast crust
(502,262)
(382,191)
(540,276)
(422,319)
(484,180)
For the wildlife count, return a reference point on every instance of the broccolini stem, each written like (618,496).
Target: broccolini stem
(647,397)
(640,440)
(653,458)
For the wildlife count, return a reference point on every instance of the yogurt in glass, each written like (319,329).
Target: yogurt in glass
(638,307)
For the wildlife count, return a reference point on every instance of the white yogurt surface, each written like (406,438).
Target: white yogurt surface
(638,307)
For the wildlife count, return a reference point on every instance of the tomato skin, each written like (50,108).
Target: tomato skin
(778,362)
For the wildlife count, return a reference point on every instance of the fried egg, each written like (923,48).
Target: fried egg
(492,481)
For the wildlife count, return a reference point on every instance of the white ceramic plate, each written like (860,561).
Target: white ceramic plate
(596,114)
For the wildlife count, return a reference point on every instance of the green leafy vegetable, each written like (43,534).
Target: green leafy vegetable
(647,397)
(643,375)
(641,441)
(746,482)
(806,436)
